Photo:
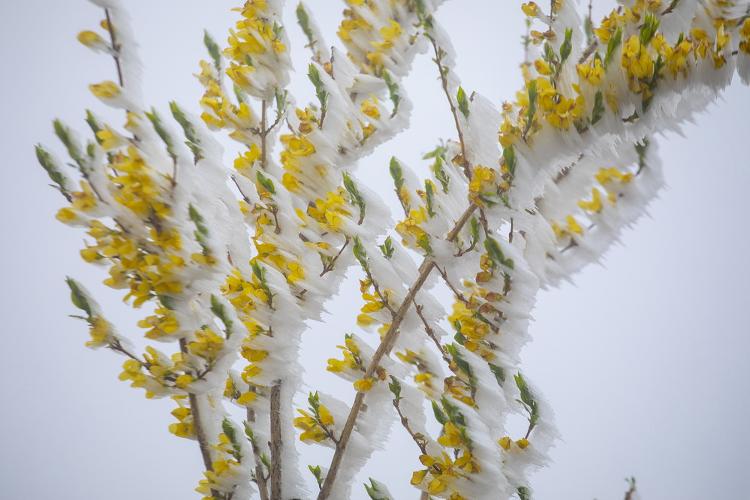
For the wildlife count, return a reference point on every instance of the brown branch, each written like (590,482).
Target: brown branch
(200,434)
(383,349)
(260,477)
(115,47)
(455,291)
(444,80)
(431,333)
(630,494)
(276,442)
(329,267)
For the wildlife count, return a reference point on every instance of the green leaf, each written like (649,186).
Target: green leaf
(527,398)
(463,102)
(265,182)
(317,474)
(188,129)
(360,253)
(376,491)
(598,111)
(566,46)
(496,253)
(393,92)
(231,434)
(93,124)
(474,231)
(53,171)
(74,149)
(440,174)
(532,107)
(498,372)
(213,51)
(397,173)
(648,29)
(155,120)
(217,307)
(320,89)
(304,22)
(509,156)
(78,296)
(439,415)
(387,248)
(357,198)
(423,242)
(612,45)
(395,387)
(429,189)
(523,493)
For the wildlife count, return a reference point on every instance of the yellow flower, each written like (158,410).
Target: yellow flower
(90,39)
(183,381)
(66,215)
(370,108)
(207,344)
(531,9)
(100,332)
(105,90)
(595,204)
(247,398)
(109,139)
(451,437)
(504,443)
(364,384)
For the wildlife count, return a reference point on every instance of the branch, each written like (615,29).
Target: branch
(330,266)
(444,80)
(200,434)
(276,442)
(115,48)
(260,477)
(383,349)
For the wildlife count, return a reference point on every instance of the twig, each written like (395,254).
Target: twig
(200,434)
(430,332)
(455,291)
(260,477)
(263,134)
(383,349)
(329,267)
(276,442)
(115,47)
(630,494)
(444,80)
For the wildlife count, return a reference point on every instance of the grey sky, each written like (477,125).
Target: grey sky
(644,361)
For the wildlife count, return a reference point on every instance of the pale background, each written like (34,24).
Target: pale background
(645,362)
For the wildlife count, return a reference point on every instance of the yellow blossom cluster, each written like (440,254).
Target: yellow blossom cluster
(184,427)
(254,47)
(424,377)
(646,58)
(611,182)
(316,423)
(369,47)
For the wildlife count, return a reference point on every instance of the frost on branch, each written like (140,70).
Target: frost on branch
(233,258)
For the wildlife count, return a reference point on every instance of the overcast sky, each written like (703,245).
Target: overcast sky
(644,360)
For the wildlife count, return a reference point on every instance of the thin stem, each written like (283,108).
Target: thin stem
(260,477)
(332,264)
(450,285)
(200,434)
(263,134)
(383,349)
(276,441)
(115,47)
(444,81)
(430,332)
